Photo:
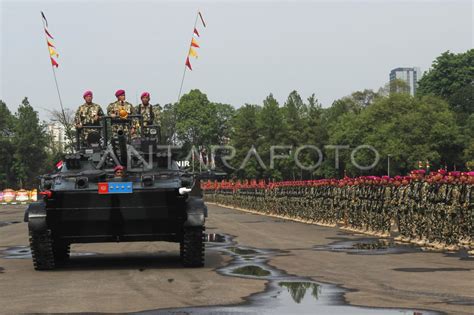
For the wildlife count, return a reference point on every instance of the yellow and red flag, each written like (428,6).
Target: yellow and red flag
(53,52)
(188,64)
(49,42)
(194,43)
(192,53)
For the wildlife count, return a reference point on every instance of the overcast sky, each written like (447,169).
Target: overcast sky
(248,50)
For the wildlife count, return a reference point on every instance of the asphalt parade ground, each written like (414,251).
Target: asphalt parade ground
(254,264)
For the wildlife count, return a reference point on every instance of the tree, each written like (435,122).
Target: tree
(224,114)
(6,146)
(66,120)
(245,134)
(194,115)
(201,123)
(30,141)
(364,98)
(168,123)
(409,129)
(448,74)
(272,129)
(469,144)
(462,103)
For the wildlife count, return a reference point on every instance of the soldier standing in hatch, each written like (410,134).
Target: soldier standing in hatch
(121,109)
(146,110)
(88,114)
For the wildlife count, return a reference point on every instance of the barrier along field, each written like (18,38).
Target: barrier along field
(433,211)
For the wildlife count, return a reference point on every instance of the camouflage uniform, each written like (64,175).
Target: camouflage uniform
(85,116)
(114,108)
(148,115)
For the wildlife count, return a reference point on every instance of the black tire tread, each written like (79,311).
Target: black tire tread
(61,252)
(192,247)
(42,251)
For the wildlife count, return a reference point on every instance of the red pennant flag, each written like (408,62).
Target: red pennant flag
(202,20)
(59,165)
(47,33)
(54,63)
(188,64)
(49,44)
(196,32)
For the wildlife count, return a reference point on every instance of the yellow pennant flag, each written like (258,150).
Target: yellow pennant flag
(193,53)
(194,43)
(53,52)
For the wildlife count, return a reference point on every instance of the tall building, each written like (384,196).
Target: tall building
(409,75)
(57,134)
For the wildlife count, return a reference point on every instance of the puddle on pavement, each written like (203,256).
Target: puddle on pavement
(242,251)
(383,246)
(214,238)
(6,223)
(284,293)
(24,252)
(297,290)
(368,246)
(254,271)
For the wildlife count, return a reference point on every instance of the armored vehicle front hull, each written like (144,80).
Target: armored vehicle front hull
(85,216)
(146,215)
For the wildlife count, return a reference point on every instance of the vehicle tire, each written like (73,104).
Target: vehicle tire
(61,252)
(42,252)
(192,247)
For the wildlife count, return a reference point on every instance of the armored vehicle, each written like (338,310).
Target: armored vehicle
(117,186)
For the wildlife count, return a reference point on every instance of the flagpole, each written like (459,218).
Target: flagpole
(68,130)
(184,72)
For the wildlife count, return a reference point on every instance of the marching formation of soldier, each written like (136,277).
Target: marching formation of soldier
(90,114)
(437,209)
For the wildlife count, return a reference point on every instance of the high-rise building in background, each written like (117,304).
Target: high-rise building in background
(58,134)
(409,75)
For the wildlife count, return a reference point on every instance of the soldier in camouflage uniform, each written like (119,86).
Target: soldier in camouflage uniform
(88,114)
(120,109)
(147,111)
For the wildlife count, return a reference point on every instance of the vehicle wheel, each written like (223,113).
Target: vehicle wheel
(192,247)
(61,252)
(42,251)
(181,249)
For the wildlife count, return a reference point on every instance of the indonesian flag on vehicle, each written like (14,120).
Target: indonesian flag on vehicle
(59,165)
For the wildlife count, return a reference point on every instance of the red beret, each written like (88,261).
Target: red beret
(119,92)
(145,94)
(118,167)
(442,172)
(87,93)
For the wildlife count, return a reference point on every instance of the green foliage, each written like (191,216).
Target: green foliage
(6,146)
(448,74)
(168,123)
(30,141)
(245,134)
(200,122)
(409,129)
